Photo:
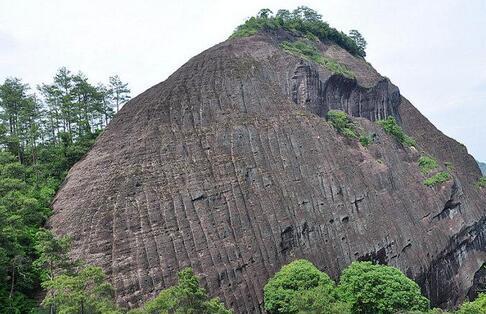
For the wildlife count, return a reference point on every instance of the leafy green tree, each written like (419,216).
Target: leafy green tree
(306,14)
(477,306)
(107,112)
(120,92)
(300,286)
(87,291)
(359,41)
(53,255)
(185,297)
(264,13)
(20,113)
(378,289)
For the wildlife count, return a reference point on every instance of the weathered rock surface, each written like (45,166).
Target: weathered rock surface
(229,167)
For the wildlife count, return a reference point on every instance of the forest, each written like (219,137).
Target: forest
(43,132)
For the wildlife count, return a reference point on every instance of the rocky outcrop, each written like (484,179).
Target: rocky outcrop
(341,93)
(229,167)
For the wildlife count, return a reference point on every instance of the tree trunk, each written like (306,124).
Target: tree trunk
(12,284)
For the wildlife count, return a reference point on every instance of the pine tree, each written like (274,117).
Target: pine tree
(119,92)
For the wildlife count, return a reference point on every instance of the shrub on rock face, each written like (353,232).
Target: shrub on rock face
(477,306)
(307,50)
(365,140)
(379,289)
(427,164)
(481,182)
(438,178)
(342,123)
(300,287)
(391,127)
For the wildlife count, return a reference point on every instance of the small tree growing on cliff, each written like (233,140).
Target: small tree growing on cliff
(359,41)
(119,91)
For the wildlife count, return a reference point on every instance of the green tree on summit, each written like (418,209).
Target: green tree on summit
(359,40)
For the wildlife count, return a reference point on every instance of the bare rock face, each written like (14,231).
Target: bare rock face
(229,167)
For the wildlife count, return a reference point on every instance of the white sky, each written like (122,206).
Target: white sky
(435,51)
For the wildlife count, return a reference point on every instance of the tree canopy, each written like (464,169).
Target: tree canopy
(305,21)
(300,286)
(185,297)
(41,136)
(379,289)
(86,291)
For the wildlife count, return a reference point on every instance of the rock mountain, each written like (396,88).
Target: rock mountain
(230,167)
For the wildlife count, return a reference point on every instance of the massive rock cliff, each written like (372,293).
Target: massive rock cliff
(229,167)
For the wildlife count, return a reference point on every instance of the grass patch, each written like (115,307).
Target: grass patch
(391,127)
(308,51)
(437,178)
(427,164)
(481,182)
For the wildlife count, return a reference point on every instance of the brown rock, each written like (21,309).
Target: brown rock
(229,167)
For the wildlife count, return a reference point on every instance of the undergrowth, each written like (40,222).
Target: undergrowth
(342,123)
(345,126)
(365,140)
(427,164)
(437,178)
(307,51)
(391,127)
(481,182)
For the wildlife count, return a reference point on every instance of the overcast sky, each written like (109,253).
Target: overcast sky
(435,51)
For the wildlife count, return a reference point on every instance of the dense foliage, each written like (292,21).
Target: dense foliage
(305,21)
(300,287)
(185,297)
(477,306)
(307,50)
(40,139)
(86,291)
(379,289)
(391,127)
